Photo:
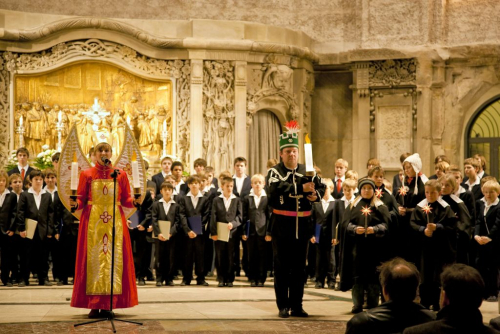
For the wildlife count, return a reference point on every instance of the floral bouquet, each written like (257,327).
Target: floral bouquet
(12,162)
(44,159)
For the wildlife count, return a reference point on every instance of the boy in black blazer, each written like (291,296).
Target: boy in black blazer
(226,209)
(8,203)
(192,206)
(143,239)
(486,234)
(255,220)
(165,209)
(322,219)
(35,204)
(166,164)
(22,168)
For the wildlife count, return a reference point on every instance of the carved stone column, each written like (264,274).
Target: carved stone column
(196,125)
(360,116)
(240,109)
(425,106)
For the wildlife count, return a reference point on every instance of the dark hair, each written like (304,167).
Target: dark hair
(240,159)
(167,185)
(48,172)
(23,150)
(403,157)
(56,156)
(463,286)
(177,163)
(35,173)
(91,151)
(200,162)
(374,169)
(440,158)
(193,179)
(400,279)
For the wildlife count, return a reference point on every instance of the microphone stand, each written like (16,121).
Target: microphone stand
(111,315)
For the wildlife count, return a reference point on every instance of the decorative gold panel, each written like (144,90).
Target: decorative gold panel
(73,90)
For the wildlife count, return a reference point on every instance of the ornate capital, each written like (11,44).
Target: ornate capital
(393,72)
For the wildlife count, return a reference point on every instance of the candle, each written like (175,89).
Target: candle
(21,122)
(165,125)
(308,155)
(128,120)
(74,173)
(136,181)
(366,211)
(59,116)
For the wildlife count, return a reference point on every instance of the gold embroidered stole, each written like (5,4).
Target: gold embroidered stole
(99,238)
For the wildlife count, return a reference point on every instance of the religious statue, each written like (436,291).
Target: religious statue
(118,130)
(51,131)
(35,129)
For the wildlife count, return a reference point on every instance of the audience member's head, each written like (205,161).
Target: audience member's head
(461,286)
(399,280)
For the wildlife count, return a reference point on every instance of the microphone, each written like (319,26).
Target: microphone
(106,161)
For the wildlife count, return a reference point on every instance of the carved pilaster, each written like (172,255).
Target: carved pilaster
(361,115)
(5,88)
(218,114)
(240,93)
(196,127)
(183,113)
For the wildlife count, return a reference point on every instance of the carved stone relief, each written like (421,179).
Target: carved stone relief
(218,114)
(394,128)
(307,91)
(5,63)
(275,84)
(389,73)
(64,53)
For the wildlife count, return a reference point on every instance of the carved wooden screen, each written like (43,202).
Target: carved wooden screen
(484,136)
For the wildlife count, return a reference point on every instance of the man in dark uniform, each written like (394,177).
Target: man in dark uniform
(291,194)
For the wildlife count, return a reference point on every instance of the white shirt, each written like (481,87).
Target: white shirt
(239,182)
(166,206)
(194,199)
(178,186)
(488,206)
(347,202)
(478,181)
(227,201)
(165,174)
(480,174)
(3,195)
(257,198)
(325,203)
(38,197)
(25,169)
(50,192)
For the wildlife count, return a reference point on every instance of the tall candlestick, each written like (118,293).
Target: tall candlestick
(74,173)
(136,181)
(309,156)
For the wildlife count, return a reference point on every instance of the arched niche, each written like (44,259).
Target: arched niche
(482,132)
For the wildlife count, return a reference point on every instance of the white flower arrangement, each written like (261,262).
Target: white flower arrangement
(12,162)
(44,159)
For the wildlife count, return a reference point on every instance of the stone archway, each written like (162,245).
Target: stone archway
(483,134)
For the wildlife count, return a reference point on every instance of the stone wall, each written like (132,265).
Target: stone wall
(336,25)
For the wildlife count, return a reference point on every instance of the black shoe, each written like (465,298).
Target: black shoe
(331,285)
(60,283)
(318,285)
(253,284)
(142,282)
(158,284)
(230,284)
(45,283)
(204,283)
(283,313)
(356,310)
(260,284)
(299,313)
(183,283)
(9,284)
(170,283)
(21,284)
(94,314)
(221,284)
